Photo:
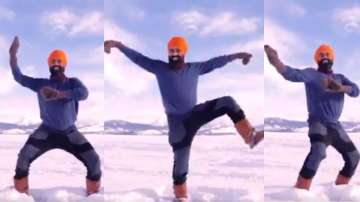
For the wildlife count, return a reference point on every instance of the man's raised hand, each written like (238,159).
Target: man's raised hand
(14,46)
(108,44)
(273,58)
(245,57)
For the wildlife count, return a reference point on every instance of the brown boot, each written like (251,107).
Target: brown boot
(22,185)
(342,180)
(245,129)
(248,133)
(180,192)
(92,187)
(303,183)
(257,137)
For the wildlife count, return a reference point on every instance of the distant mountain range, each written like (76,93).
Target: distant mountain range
(23,128)
(285,125)
(130,128)
(121,127)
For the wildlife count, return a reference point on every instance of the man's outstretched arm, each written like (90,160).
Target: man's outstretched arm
(23,80)
(144,62)
(218,62)
(289,73)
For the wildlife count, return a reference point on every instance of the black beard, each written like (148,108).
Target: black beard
(325,66)
(176,62)
(57,73)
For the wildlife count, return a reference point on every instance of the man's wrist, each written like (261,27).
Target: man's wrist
(13,59)
(118,44)
(278,64)
(62,94)
(346,89)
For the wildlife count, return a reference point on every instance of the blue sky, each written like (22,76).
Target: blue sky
(296,29)
(212,28)
(74,26)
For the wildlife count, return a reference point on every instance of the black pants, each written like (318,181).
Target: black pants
(71,140)
(321,136)
(182,129)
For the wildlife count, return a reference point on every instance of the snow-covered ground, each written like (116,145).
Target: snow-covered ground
(220,166)
(284,155)
(55,177)
(138,168)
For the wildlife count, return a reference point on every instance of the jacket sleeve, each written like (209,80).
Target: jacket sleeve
(354,88)
(26,81)
(298,75)
(213,63)
(78,91)
(142,61)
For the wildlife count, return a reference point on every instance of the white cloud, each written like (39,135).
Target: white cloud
(348,113)
(92,57)
(289,46)
(225,23)
(125,82)
(90,22)
(255,47)
(296,9)
(14,95)
(280,95)
(352,61)
(71,23)
(349,18)
(290,7)
(6,81)
(6,13)
(132,12)
(92,109)
(4,47)
(119,71)
(113,31)
(134,108)
(25,111)
(250,46)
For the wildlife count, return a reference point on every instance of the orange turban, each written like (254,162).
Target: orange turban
(57,55)
(324,48)
(179,42)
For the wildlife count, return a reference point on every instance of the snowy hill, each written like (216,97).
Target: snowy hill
(284,125)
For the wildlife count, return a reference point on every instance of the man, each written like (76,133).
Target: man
(58,99)
(325,92)
(177,81)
